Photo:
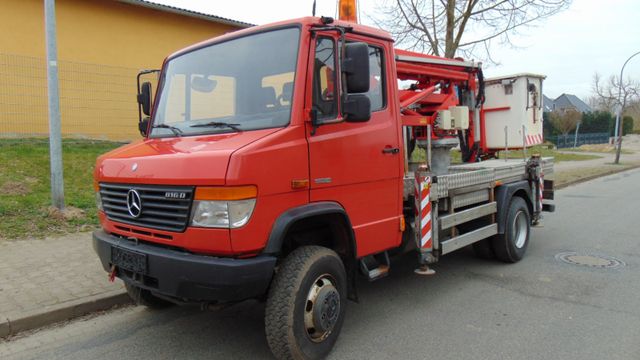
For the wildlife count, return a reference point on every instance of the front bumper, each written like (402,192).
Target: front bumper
(190,277)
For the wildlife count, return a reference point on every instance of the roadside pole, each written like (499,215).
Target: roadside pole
(55,132)
(622,103)
(618,142)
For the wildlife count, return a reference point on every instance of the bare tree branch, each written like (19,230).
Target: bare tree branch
(452,27)
(605,94)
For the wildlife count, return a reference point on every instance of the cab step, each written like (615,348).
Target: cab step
(375,267)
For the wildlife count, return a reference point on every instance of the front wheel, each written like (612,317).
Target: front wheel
(306,304)
(511,246)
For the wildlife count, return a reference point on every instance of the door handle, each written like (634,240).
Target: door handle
(390,150)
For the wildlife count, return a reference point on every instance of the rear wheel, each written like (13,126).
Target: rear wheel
(512,245)
(144,297)
(306,304)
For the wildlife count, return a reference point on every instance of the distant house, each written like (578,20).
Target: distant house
(565,102)
(547,104)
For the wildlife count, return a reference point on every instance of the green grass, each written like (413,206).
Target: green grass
(546,152)
(420,155)
(24,186)
(24,183)
(606,151)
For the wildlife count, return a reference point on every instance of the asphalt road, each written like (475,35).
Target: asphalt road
(539,308)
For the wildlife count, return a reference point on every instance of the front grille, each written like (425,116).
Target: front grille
(157,210)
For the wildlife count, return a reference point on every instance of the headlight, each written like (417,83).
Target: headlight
(240,212)
(227,207)
(99,201)
(222,214)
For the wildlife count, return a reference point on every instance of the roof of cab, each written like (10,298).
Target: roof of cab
(304,21)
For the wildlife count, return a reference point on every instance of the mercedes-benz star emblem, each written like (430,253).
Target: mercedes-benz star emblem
(134,203)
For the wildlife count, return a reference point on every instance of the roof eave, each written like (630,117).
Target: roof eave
(185,12)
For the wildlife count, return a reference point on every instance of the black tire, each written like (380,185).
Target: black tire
(511,246)
(484,249)
(309,272)
(144,297)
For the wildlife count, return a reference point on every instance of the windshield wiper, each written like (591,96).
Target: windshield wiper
(174,129)
(219,124)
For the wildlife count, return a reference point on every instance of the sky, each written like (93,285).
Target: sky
(591,36)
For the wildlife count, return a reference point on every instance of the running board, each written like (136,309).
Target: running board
(469,238)
(376,266)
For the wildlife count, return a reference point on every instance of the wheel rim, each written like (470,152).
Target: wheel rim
(322,308)
(520,229)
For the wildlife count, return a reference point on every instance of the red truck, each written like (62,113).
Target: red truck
(283,161)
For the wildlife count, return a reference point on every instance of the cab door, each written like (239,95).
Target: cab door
(358,165)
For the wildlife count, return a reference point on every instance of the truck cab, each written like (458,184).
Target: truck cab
(274,165)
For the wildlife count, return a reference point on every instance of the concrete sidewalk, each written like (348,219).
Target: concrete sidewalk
(630,144)
(567,173)
(43,281)
(603,160)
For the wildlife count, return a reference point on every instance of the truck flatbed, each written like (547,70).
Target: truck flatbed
(471,177)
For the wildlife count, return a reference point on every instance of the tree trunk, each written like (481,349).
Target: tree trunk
(449,50)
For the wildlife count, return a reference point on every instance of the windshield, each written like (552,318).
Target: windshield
(238,85)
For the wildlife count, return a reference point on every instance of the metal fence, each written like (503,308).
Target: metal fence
(96,101)
(569,140)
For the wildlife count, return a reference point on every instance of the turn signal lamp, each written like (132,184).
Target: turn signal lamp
(226,193)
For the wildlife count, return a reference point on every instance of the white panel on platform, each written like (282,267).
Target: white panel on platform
(513,102)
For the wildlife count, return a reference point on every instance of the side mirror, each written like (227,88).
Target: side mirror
(357,108)
(143,126)
(144,97)
(356,67)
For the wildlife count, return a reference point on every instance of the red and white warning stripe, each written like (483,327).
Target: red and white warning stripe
(534,139)
(423,212)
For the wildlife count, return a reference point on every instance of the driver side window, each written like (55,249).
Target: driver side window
(325,99)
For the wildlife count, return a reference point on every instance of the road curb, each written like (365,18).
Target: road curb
(593,177)
(52,314)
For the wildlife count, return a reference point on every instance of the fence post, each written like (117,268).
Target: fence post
(55,132)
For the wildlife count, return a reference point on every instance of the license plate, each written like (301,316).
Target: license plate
(129,260)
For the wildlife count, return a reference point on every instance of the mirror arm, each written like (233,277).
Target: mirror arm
(342,75)
(138,98)
(143,126)
(142,72)
(314,121)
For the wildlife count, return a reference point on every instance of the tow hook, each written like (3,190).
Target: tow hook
(112,273)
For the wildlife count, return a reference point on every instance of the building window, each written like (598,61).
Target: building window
(508,89)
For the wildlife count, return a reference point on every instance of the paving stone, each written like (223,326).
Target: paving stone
(50,271)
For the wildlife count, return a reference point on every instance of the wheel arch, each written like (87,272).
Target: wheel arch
(503,195)
(323,213)
(336,233)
